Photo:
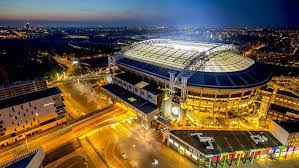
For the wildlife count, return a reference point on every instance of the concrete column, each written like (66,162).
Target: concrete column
(109,78)
(166,105)
(171,81)
(183,111)
(184,79)
(166,137)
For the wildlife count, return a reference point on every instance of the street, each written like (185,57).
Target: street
(141,147)
(80,99)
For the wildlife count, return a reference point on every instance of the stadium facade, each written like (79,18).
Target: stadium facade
(186,86)
(198,83)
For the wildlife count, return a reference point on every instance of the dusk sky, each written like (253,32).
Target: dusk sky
(149,12)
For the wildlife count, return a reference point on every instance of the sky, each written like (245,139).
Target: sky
(154,12)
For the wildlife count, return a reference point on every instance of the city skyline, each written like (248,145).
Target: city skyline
(194,13)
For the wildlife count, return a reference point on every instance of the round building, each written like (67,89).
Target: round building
(202,83)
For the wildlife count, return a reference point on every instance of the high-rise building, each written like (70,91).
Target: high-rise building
(27,25)
(29,107)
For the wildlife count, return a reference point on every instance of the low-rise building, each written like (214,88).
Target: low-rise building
(141,87)
(144,109)
(214,148)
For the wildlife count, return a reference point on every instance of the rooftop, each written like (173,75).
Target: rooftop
(178,55)
(22,163)
(257,74)
(134,100)
(29,97)
(226,141)
(23,82)
(32,158)
(290,126)
(139,82)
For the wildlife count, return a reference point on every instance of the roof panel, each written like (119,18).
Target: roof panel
(173,51)
(225,141)
(252,75)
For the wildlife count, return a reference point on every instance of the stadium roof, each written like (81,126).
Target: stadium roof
(226,141)
(178,55)
(220,67)
(257,74)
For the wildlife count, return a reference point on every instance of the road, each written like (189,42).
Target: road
(78,158)
(140,146)
(80,99)
(92,154)
(68,66)
(54,138)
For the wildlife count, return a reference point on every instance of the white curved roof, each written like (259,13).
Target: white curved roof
(179,55)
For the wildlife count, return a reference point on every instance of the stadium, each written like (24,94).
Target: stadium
(199,84)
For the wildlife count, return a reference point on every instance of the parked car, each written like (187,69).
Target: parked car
(124,156)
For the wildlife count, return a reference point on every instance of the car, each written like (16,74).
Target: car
(124,156)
